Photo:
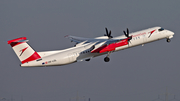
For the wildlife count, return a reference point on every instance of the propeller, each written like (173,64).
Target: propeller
(108,34)
(127,35)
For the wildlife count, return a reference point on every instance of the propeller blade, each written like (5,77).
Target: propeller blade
(109,33)
(130,37)
(127,32)
(127,35)
(106,31)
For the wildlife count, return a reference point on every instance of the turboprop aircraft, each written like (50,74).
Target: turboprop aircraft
(86,48)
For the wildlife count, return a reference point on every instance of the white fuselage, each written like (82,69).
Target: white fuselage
(83,52)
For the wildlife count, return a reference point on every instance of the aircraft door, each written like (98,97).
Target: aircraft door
(145,36)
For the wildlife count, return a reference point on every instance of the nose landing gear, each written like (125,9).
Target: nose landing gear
(168,40)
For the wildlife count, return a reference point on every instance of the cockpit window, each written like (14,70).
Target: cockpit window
(161,29)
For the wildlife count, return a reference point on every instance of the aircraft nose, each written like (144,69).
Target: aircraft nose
(170,34)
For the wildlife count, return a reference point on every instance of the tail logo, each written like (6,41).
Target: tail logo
(22,51)
(151,33)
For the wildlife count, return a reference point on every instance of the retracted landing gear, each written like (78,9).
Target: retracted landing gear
(107,59)
(168,40)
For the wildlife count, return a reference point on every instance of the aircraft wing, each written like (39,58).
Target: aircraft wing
(103,44)
(82,39)
(76,39)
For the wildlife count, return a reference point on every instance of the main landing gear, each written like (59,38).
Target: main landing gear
(107,59)
(168,40)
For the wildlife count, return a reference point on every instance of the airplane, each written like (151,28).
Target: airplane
(86,48)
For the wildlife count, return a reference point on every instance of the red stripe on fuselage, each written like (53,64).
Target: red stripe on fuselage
(98,49)
(35,56)
(111,47)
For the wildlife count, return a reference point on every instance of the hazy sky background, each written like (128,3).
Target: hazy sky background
(135,74)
